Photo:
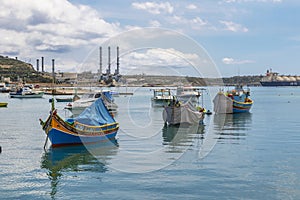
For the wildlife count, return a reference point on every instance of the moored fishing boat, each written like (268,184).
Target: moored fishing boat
(234,101)
(61,100)
(3,104)
(188,93)
(4,88)
(94,124)
(87,99)
(161,97)
(26,92)
(182,113)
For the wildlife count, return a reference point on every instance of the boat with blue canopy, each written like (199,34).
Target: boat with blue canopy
(94,124)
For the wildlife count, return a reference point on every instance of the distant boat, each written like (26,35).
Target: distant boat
(3,104)
(188,93)
(61,100)
(26,92)
(182,113)
(4,88)
(274,79)
(234,101)
(87,99)
(94,124)
(161,97)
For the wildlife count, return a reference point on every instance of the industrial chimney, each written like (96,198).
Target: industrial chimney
(53,74)
(108,71)
(42,64)
(118,64)
(37,65)
(100,61)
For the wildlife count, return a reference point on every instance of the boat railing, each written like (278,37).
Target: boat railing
(89,128)
(83,129)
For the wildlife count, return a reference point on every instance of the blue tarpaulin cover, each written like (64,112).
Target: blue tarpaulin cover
(95,115)
(108,95)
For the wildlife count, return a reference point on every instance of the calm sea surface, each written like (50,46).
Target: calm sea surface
(242,156)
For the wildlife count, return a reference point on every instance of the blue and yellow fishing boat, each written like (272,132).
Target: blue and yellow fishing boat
(94,124)
(233,101)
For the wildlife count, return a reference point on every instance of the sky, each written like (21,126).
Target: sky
(236,37)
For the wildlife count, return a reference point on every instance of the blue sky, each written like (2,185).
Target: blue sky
(243,37)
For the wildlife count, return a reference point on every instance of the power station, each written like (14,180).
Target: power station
(108,78)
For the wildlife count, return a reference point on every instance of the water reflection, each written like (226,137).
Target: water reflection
(177,138)
(232,127)
(92,158)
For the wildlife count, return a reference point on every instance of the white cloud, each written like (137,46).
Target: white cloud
(157,61)
(51,25)
(234,27)
(153,7)
(194,23)
(191,7)
(154,23)
(230,61)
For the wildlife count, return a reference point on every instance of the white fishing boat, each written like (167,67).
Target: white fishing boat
(161,97)
(188,93)
(26,92)
(4,88)
(87,99)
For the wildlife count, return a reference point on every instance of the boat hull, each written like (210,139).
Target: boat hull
(64,133)
(21,96)
(160,102)
(226,105)
(279,83)
(3,104)
(241,107)
(182,114)
(61,138)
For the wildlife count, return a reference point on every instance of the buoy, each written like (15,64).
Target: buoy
(0,149)
(208,112)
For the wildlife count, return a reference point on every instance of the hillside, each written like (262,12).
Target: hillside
(16,69)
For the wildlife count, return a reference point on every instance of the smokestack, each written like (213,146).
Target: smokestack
(108,60)
(100,61)
(118,64)
(53,74)
(37,64)
(42,64)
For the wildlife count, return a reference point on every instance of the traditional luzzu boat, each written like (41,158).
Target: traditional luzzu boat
(182,113)
(93,125)
(234,101)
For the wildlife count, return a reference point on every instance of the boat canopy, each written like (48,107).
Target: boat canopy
(222,104)
(108,95)
(95,115)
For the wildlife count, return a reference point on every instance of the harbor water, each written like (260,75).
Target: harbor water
(235,156)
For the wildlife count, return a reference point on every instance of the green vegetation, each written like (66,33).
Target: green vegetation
(16,69)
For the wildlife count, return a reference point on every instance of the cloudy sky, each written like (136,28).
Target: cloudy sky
(239,36)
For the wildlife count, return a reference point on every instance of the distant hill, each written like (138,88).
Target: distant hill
(16,70)
(147,80)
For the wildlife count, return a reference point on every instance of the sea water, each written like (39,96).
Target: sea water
(236,156)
